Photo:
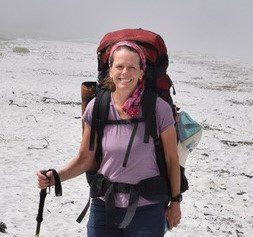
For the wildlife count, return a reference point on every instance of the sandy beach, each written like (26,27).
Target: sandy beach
(40,118)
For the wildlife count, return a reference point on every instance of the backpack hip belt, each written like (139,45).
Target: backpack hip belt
(153,189)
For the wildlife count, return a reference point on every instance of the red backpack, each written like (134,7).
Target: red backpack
(155,50)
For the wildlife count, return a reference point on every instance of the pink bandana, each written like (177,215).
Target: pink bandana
(134,46)
(132,105)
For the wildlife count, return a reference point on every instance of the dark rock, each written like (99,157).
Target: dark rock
(3,227)
(241,193)
(239,233)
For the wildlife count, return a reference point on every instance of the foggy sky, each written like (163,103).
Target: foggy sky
(218,27)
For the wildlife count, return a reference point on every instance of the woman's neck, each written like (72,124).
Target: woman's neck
(120,98)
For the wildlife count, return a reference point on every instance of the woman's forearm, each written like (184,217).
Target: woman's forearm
(172,161)
(75,167)
(174,178)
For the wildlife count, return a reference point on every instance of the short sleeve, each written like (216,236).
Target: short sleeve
(164,115)
(87,115)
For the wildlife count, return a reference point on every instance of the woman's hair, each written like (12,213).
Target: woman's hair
(108,82)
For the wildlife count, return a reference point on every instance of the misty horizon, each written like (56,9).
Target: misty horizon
(222,28)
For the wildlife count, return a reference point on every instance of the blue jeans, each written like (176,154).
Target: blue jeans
(148,221)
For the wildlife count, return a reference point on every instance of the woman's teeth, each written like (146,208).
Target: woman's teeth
(125,80)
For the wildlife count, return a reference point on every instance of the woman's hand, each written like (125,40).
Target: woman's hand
(173,214)
(45,181)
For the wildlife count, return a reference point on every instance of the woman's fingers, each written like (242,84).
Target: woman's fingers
(43,180)
(173,215)
(173,224)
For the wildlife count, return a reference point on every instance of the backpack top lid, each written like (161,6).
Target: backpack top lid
(152,45)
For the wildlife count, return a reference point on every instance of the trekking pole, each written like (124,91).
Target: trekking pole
(43,194)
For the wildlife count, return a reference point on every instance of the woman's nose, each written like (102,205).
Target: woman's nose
(124,71)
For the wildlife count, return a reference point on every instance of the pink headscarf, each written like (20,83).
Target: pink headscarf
(132,105)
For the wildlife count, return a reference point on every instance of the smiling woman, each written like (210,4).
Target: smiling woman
(131,194)
(127,64)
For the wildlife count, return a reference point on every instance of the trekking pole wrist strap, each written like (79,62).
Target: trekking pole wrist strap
(57,183)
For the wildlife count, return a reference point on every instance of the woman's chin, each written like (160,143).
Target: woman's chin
(126,86)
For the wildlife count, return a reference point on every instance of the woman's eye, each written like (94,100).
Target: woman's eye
(119,67)
(131,67)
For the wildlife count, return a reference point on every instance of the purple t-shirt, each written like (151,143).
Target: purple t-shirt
(142,159)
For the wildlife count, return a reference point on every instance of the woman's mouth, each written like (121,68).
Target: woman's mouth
(125,80)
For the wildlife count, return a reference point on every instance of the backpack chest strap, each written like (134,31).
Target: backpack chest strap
(125,121)
(135,122)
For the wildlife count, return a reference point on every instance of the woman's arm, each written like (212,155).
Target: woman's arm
(169,140)
(84,161)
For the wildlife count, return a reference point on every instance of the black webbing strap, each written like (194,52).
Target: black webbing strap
(103,112)
(149,106)
(110,206)
(125,121)
(134,121)
(110,203)
(84,211)
(99,115)
(130,145)
(58,187)
(151,130)
(132,206)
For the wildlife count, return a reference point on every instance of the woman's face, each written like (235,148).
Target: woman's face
(125,70)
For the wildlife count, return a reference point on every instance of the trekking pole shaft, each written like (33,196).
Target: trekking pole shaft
(39,218)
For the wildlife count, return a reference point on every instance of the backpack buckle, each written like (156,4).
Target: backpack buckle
(126,121)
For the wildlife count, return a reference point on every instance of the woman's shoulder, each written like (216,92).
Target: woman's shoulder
(164,115)
(87,115)
(90,105)
(162,105)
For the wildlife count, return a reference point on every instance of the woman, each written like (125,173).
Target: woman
(127,66)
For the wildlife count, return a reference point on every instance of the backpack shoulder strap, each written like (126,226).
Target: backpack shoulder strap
(151,130)
(149,107)
(160,158)
(99,115)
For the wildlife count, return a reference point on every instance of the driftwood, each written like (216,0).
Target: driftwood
(12,103)
(236,143)
(31,115)
(48,100)
(247,175)
(40,148)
